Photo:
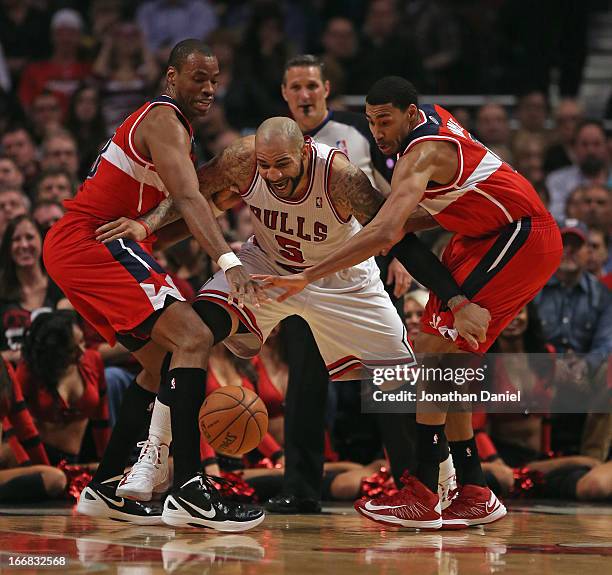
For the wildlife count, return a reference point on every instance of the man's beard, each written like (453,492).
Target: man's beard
(591,166)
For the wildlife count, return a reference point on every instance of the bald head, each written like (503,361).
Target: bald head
(281,132)
(281,155)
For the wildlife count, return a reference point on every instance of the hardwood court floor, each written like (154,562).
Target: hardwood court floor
(556,538)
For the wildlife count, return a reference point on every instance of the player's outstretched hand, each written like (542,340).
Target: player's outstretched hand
(243,288)
(472,323)
(399,277)
(121,228)
(292,284)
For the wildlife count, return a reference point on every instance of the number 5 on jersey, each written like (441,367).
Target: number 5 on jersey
(290,249)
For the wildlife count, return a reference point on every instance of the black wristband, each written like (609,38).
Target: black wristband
(425,267)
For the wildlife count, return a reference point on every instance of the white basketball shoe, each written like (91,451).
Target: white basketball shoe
(149,474)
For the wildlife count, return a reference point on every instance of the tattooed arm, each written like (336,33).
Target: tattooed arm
(219,179)
(351,192)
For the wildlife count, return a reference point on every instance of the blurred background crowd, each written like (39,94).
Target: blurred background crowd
(532,81)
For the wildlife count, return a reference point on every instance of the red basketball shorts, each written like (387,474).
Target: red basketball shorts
(116,287)
(501,273)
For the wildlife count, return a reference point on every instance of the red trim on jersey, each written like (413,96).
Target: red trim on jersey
(251,186)
(328,172)
(311,170)
(131,142)
(459,171)
(245,315)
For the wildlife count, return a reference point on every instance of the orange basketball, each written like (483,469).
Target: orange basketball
(233,420)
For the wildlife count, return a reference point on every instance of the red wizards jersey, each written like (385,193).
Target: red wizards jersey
(121,181)
(485,195)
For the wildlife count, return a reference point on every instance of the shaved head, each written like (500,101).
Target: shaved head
(279,130)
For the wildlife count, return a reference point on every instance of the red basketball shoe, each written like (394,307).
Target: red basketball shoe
(473,505)
(413,506)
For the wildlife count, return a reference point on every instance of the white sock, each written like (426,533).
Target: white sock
(447,469)
(161,427)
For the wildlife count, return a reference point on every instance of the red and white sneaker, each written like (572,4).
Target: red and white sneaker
(413,506)
(474,505)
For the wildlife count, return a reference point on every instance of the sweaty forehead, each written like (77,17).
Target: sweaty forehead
(198,62)
(378,110)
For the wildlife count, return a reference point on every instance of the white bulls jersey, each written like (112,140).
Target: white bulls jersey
(297,234)
(353,321)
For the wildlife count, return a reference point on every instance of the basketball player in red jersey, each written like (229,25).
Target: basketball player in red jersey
(128,297)
(506,246)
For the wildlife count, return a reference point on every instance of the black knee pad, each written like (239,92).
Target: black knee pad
(217,318)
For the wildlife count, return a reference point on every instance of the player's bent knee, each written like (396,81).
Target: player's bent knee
(54,481)
(593,486)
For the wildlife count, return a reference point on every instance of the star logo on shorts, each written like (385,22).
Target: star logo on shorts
(158,281)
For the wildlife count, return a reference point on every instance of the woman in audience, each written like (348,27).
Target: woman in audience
(413,308)
(126,70)
(64,386)
(25,288)
(25,473)
(87,125)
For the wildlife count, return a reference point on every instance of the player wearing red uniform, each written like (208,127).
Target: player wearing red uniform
(506,246)
(121,290)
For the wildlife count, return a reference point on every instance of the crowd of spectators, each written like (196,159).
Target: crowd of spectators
(71,72)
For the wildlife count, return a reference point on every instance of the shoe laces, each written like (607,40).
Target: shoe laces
(150,456)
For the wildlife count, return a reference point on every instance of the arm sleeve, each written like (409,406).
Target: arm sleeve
(25,430)
(425,267)
(269,446)
(100,420)
(8,434)
(486,448)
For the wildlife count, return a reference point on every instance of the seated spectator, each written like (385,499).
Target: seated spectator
(531,113)
(576,313)
(13,203)
(493,130)
(25,288)
(575,309)
(126,71)
(340,47)
(243,224)
(18,144)
(597,212)
(10,175)
(598,255)
(30,478)
(24,29)
(46,213)
(87,126)
(259,65)
(60,151)
(166,22)
(591,165)
(517,440)
(574,206)
(45,115)
(384,48)
(54,184)
(412,311)
(64,386)
(528,153)
(568,115)
(63,71)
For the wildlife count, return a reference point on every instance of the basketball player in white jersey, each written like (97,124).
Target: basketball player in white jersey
(307,199)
